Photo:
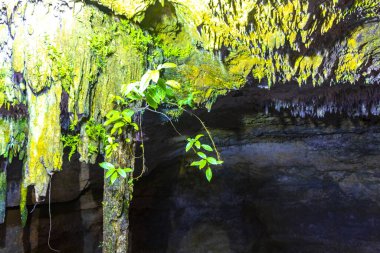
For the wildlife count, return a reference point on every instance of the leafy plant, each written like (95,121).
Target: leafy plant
(72,142)
(206,161)
(119,120)
(111,146)
(62,67)
(114,173)
(152,91)
(95,131)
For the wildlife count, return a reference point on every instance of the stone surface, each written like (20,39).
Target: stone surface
(76,213)
(288,185)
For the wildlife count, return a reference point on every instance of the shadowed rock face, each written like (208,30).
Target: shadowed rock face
(288,185)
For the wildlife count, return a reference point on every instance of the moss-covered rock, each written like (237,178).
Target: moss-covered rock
(65,60)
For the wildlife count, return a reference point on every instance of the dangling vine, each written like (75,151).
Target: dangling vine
(151,92)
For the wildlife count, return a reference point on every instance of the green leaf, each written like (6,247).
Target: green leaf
(127,170)
(151,102)
(114,146)
(135,126)
(116,126)
(106,165)
(198,136)
(122,172)
(169,92)
(168,65)
(196,163)
(209,174)
(145,80)
(108,152)
(154,93)
(189,145)
(202,164)
(155,74)
(113,178)
(127,115)
(113,114)
(174,84)
(212,160)
(197,144)
(202,155)
(206,147)
(160,93)
(110,172)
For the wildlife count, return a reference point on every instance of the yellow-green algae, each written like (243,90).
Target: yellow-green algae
(279,36)
(132,9)
(44,152)
(23,199)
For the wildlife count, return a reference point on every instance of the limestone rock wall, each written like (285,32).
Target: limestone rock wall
(61,61)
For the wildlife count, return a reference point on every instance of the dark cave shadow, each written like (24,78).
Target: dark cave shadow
(63,229)
(3,234)
(228,113)
(3,227)
(148,194)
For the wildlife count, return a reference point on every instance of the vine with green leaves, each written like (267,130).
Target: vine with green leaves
(151,92)
(137,97)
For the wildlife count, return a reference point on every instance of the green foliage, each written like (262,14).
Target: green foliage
(120,120)
(152,91)
(140,39)
(206,161)
(96,132)
(114,173)
(111,146)
(72,142)
(101,48)
(62,68)
(15,147)
(170,49)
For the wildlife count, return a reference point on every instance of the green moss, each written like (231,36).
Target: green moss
(12,140)
(72,142)
(3,195)
(23,199)
(3,75)
(62,68)
(131,9)
(44,152)
(18,57)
